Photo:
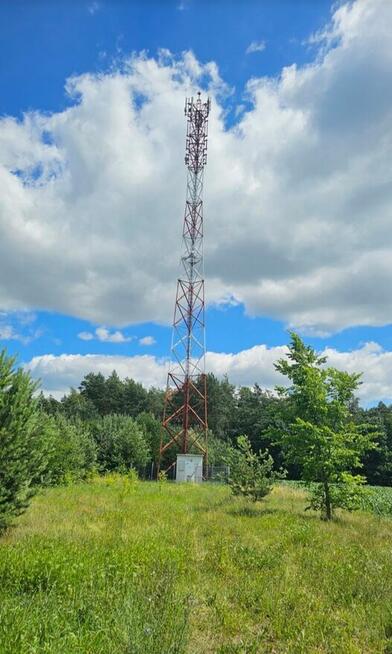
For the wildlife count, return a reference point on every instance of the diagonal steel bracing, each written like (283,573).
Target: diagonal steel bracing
(185,414)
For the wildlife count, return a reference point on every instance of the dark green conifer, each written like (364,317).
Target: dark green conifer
(22,440)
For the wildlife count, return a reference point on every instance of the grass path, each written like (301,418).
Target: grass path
(116,568)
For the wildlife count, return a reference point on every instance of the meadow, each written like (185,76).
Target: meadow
(116,566)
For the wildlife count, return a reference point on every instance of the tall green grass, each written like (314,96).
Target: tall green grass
(378,500)
(116,567)
(373,499)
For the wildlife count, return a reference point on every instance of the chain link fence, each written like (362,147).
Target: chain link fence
(211,473)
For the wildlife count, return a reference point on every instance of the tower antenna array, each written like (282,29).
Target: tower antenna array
(185,411)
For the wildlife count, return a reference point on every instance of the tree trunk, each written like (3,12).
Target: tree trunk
(327,498)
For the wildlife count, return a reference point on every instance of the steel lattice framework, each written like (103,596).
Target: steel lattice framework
(185,412)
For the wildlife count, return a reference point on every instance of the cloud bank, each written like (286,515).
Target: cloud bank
(59,373)
(298,192)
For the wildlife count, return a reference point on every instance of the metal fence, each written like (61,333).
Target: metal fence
(211,473)
(217,474)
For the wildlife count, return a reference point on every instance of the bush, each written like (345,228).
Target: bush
(23,440)
(121,443)
(73,452)
(250,474)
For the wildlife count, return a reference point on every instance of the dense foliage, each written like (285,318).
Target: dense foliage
(109,424)
(259,415)
(121,443)
(24,441)
(72,455)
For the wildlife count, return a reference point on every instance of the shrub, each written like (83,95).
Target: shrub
(73,452)
(121,443)
(250,474)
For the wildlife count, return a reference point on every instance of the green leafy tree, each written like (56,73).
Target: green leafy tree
(121,443)
(322,437)
(76,405)
(134,398)
(49,405)
(23,440)
(378,462)
(218,450)
(155,402)
(93,388)
(258,413)
(251,474)
(151,427)
(114,389)
(73,453)
(221,405)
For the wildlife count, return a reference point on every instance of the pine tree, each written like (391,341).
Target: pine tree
(22,440)
(251,474)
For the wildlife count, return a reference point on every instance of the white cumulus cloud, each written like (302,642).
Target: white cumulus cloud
(147,340)
(298,194)
(59,373)
(86,336)
(105,336)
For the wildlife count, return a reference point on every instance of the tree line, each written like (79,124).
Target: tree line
(313,427)
(258,414)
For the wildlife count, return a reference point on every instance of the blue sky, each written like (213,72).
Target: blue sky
(43,44)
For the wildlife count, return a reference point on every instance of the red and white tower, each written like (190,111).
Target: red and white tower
(185,412)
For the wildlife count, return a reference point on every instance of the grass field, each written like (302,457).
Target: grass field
(113,567)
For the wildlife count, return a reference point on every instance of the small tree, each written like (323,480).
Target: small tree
(23,447)
(322,437)
(250,474)
(121,443)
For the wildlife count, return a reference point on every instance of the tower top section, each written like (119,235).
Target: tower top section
(196,113)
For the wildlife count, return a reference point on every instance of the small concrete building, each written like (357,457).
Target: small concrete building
(189,468)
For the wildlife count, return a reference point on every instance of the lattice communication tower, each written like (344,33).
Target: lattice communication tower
(185,412)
